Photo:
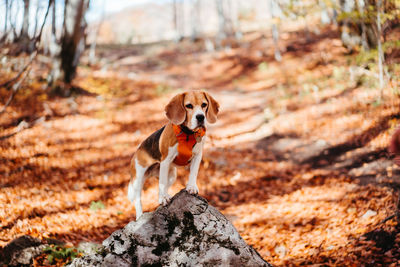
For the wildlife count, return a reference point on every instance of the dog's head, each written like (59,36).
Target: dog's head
(193,109)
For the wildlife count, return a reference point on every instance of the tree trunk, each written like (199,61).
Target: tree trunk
(12,25)
(325,17)
(36,18)
(235,20)
(92,49)
(72,42)
(25,43)
(274,10)
(195,20)
(225,25)
(175,16)
(53,19)
(364,40)
(25,24)
(54,49)
(6,17)
(221,23)
(4,37)
(178,17)
(380,52)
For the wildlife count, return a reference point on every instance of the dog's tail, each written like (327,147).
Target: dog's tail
(131,195)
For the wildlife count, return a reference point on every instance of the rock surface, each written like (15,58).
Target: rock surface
(186,232)
(21,251)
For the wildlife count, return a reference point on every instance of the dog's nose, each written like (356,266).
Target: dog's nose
(200,117)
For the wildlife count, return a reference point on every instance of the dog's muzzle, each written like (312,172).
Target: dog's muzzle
(200,119)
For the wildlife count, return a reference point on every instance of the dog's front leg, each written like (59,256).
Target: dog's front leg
(163,197)
(191,186)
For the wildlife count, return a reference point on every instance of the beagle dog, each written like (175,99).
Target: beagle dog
(178,143)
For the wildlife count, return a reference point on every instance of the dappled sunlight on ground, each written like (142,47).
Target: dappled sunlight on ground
(297,160)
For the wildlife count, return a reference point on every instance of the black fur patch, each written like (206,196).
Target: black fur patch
(152,144)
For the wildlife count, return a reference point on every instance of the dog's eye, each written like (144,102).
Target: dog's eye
(190,106)
(204,105)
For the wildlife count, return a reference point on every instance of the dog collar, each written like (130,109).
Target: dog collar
(187,139)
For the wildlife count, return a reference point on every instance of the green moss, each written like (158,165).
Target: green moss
(62,253)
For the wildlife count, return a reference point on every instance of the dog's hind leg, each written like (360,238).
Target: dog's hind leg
(171,176)
(135,186)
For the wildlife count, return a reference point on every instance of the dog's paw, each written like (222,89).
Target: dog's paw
(164,200)
(192,189)
(138,215)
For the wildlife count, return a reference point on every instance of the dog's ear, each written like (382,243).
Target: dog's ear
(175,111)
(212,108)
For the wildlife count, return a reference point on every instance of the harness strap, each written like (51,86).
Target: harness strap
(186,142)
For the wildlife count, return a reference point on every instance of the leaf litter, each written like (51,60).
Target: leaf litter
(290,161)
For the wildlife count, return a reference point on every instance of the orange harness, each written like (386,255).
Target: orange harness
(186,142)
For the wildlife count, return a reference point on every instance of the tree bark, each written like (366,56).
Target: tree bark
(72,42)
(25,24)
(4,37)
(53,19)
(36,18)
(221,23)
(175,16)
(92,49)
(12,24)
(195,20)
(274,10)
(364,40)
(380,52)
(6,17)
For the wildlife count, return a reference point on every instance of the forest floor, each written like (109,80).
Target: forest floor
(297,160)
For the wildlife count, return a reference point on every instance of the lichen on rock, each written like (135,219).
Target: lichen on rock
(186,232)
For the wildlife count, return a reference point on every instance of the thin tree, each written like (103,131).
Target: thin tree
(12,23)
(4,37)
(24,39)
(221,22)
(92,49)
(38,8)
(54,50)
(360,7)
(72,44)
(178,19)
(274,15)
(6,17)
(53,19)
(196,9)
(380,52)
(175,15)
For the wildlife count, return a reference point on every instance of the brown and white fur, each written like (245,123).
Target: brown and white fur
(156,154)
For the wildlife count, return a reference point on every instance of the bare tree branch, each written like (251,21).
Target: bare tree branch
(16,87)
(24,125)
(38,38)
(8,83)
(38,8)
(12,25)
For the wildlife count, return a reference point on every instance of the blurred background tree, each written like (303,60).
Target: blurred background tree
(363,26)
(302,116)
(72,43)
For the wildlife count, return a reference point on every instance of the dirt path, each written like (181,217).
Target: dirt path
(297,159)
